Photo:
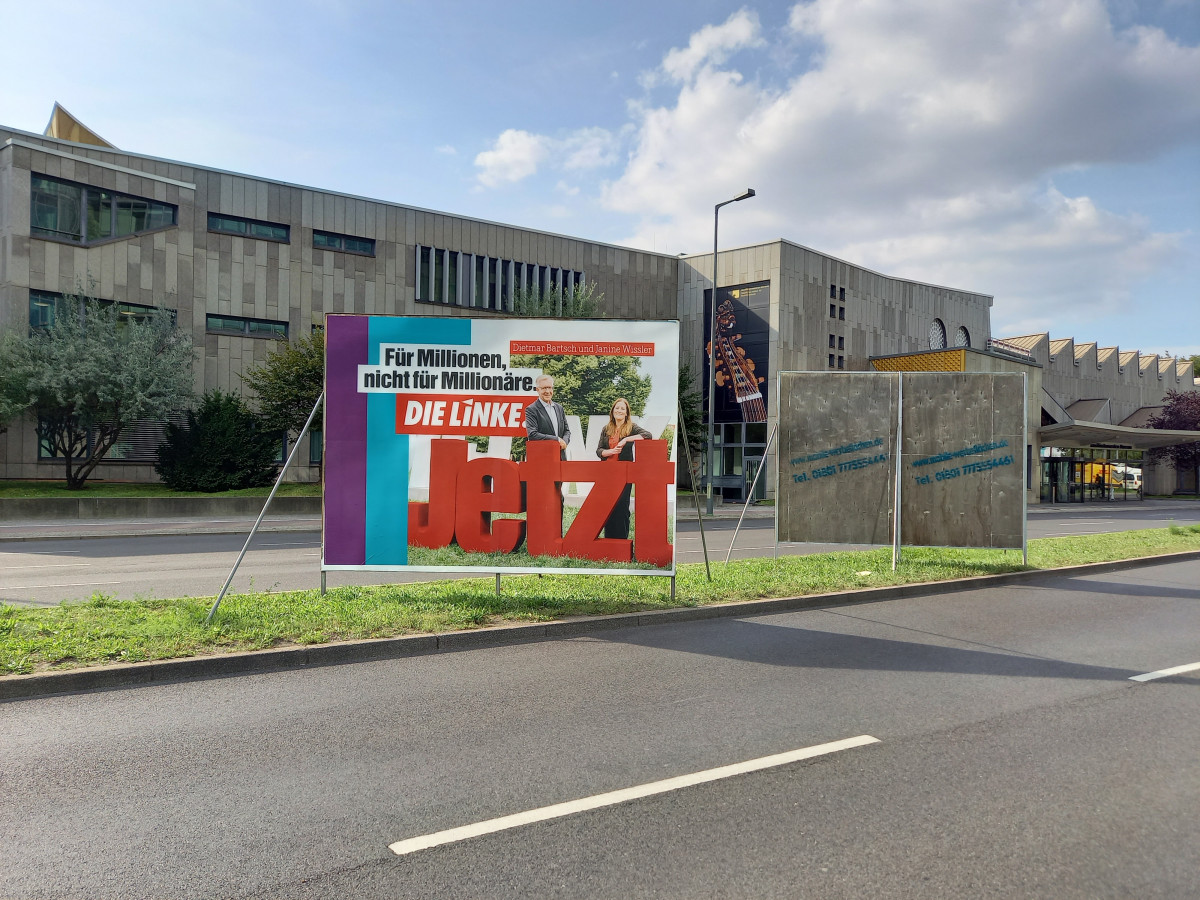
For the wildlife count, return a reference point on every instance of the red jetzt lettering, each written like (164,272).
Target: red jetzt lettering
(463,496)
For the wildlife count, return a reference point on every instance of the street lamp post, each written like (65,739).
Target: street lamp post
(712,346)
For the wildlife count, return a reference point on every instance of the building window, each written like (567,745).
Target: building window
(962,337)
(257,328)
(82,214)
(832,342)
(833,292)
(833,310)
(831,360)
(841,343)
(937,335)
(249,228)
(316,446)
(841,362)
(138,443)
(46,306)
(841,294)
(343,243)
(484,282)
(841,312)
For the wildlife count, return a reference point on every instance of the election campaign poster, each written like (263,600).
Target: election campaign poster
(512,445)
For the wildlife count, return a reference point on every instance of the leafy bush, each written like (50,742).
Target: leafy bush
(223,447)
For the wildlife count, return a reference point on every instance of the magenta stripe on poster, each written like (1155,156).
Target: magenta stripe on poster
(345,463)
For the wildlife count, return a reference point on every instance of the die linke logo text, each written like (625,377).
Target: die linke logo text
(461,414)
(463,495)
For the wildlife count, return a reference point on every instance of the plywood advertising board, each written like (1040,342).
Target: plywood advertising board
(836,439)
(963,460)
(440,454)
(961,480)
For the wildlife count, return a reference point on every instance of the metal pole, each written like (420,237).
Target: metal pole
(221,596)
(709,471)
(687,451)
(898,470)
(712,348)
(751,491)
(1025,469)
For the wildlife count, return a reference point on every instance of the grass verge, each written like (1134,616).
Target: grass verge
(103,630)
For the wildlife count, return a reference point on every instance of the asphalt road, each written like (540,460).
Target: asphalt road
(1014,758)
(46,572)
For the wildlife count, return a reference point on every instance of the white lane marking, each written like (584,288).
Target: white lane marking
(39,587)
(558,810)
(1163,673)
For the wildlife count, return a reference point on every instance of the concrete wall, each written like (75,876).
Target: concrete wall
(1130,380)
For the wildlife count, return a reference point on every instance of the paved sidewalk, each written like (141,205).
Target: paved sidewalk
(165,525)
(102,528)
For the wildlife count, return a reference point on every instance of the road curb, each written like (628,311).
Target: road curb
(20,687)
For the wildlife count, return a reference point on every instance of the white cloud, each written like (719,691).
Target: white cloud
(515,155)
(921,142)
(589,148)
(713,44)
(447,149)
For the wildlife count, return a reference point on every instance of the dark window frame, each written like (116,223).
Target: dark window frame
(113,199)
(246,329)
(54,300)
(249,223)
(341,240)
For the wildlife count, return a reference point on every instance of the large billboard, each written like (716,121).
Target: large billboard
(741,351)
(961,466)
(459,445)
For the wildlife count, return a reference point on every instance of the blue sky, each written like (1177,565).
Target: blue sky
(1047,153)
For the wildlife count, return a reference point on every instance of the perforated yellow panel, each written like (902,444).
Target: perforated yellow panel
(933,361)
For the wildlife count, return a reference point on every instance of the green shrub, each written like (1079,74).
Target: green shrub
(223,447)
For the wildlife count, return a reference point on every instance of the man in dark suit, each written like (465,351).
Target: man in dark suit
(545,419)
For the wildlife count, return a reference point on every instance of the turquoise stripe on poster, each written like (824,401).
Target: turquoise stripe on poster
(387,452)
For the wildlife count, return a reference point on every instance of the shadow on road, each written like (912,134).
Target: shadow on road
(781,645)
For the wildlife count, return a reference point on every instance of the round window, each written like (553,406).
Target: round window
(962,337)
(937,335)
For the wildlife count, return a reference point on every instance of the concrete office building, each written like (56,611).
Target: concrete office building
(245,260)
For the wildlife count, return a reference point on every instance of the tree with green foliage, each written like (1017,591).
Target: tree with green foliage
(289,382)
(223,447)
(693,418)
(581,303)
(94,372)
(1181,412)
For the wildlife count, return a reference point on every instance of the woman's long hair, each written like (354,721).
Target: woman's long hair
(623,430)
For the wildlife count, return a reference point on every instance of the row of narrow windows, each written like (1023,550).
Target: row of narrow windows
(82,214)
(486,282)
(47,306)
